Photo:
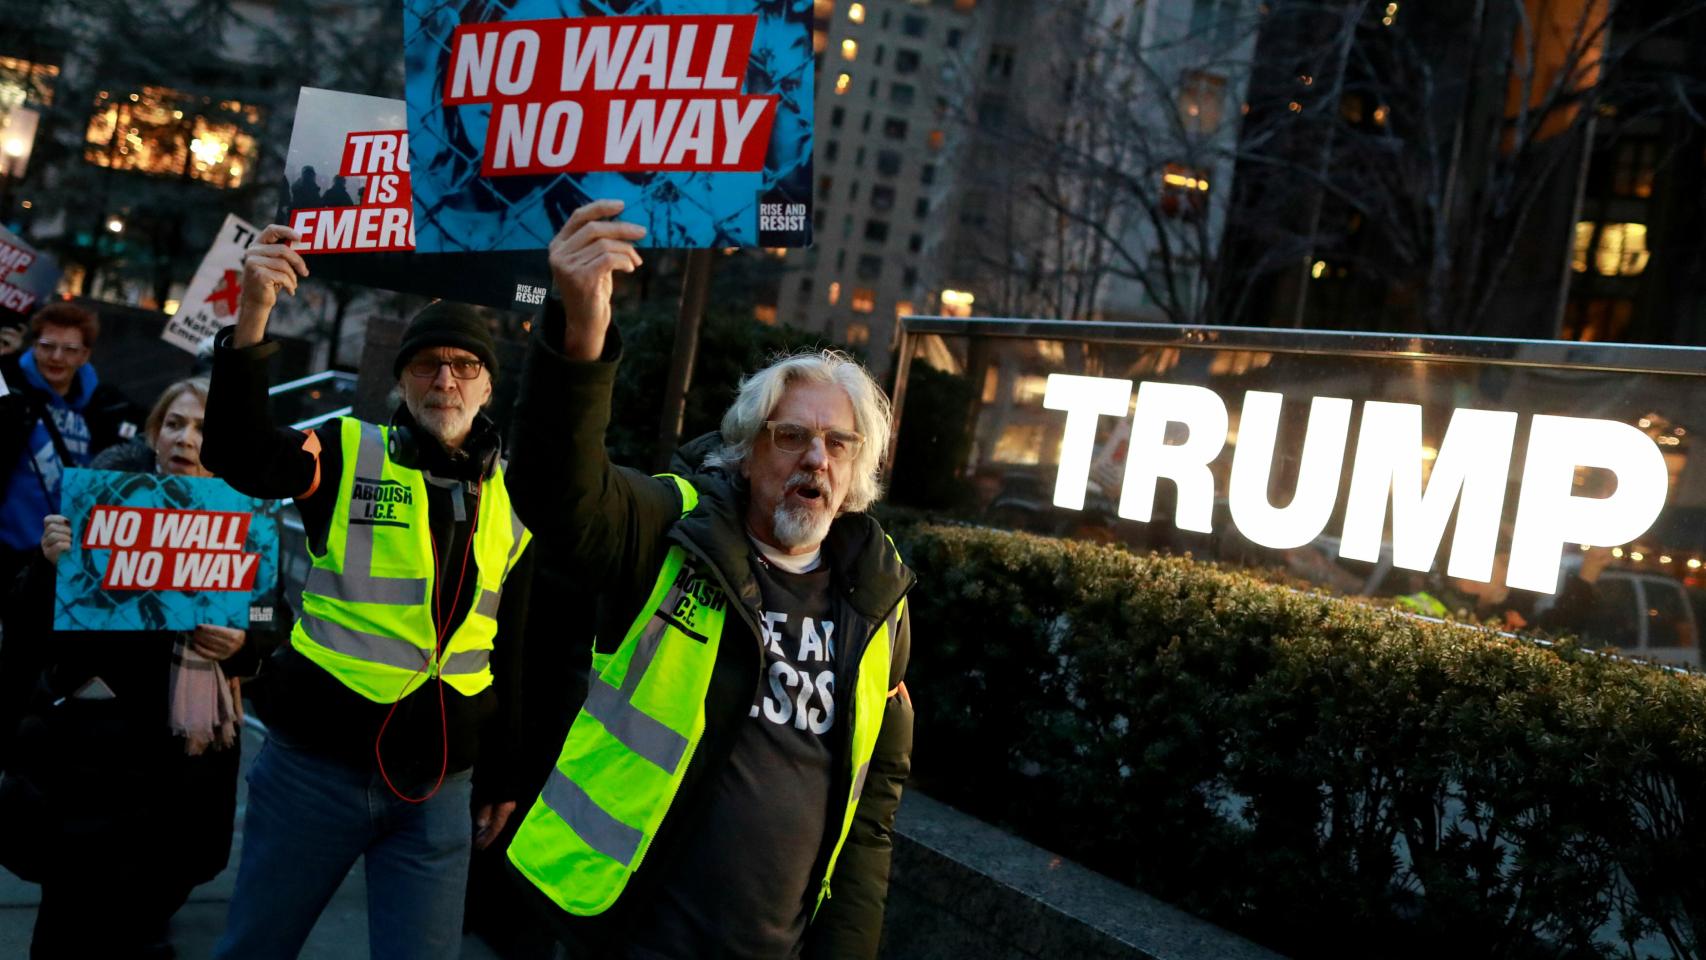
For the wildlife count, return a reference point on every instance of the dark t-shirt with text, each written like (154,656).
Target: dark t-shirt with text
(743,886)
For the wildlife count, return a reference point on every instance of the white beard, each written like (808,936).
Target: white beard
(803,527)
(444,423)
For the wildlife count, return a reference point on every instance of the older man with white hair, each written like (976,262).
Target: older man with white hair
(729,785)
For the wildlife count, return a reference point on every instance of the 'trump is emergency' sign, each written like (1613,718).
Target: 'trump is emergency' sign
(1469,475)
(383,219)
(27,276)
(15,258)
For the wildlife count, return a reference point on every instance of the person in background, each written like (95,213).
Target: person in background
(56,413)
(393,714)
(132,736)
(336,194)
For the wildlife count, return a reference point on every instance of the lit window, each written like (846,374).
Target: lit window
(22,81)
(903,309)
(820,41)
(151,132)
(822,9)
(1584,241)
(858,334)
(864,300)
(1633,166)
(849,49)
(1183,190)
(842,82)
(1028,390)
(1622,250)
(1599,319)
(1020,443)
(1200,98)
(936,139)
(957,303)
(856,13)
(765,313)
(835,293)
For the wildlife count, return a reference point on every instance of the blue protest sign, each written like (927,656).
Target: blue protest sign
(156,552)
(697,114)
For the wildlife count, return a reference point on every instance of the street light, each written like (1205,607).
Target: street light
(17,139)
(115,224)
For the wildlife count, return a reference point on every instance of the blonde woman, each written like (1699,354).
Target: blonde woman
(133,737)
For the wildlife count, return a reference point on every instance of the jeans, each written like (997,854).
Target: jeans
(309,818)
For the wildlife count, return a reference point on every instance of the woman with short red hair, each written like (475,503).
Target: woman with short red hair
(55,413)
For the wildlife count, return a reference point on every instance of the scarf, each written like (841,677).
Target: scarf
(202,711)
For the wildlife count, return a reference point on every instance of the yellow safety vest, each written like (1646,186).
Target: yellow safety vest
(628,749)
(367,604)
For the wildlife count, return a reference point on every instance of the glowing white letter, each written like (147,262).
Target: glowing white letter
(1084,399)
(1469,471)
(1303,519)
(1549,516)
(1150,457)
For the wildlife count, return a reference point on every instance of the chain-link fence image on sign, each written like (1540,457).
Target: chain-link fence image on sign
(458,208)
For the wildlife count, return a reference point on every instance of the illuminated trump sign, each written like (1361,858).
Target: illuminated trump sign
(1540,485)
(1469,475)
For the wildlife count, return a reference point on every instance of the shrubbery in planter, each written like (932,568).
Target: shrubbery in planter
(1322,775)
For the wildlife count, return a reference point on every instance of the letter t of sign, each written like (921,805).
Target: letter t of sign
(1084,399)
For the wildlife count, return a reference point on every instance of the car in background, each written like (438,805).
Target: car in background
(1643,614)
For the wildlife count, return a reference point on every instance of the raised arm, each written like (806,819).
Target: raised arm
(585,255)
(242,445)
(269,265)
(606,519)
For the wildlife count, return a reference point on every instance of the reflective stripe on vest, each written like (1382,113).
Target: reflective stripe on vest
(870,699)
(367,617)
(629,747)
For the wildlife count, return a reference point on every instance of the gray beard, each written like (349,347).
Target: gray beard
(799,528)
(437,423)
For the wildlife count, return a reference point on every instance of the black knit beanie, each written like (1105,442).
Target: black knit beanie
(446,324)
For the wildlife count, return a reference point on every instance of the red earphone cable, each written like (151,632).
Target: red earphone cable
(442,627)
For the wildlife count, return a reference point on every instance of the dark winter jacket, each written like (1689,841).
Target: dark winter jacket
(177,810)
(618,524)
(308,705)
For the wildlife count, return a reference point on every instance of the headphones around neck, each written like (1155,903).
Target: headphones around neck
(403,446)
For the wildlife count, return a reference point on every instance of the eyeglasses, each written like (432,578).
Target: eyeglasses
(462,368)
(797,438)
(53,349)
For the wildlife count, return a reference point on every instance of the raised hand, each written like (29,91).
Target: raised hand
(269,265)
(585,254)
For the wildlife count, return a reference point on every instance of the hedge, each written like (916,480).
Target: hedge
(1323,776)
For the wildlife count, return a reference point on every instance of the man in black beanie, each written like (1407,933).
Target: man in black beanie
(392,716)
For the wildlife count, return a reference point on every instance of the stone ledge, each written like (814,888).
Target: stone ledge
(961,888)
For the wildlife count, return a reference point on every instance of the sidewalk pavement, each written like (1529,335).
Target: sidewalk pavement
(341,933)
